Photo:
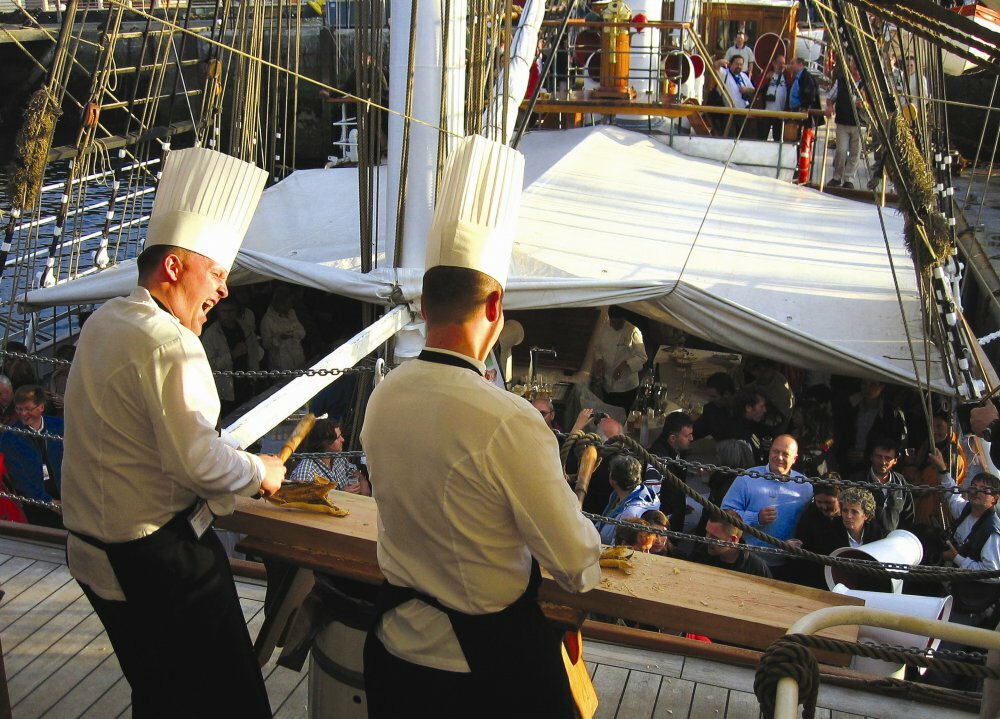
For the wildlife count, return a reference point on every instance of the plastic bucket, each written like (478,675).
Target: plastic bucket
(906,604)
(899,547)
(336,681)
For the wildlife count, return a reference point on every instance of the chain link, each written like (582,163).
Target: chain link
(30,433)
(33,502)
(239,374)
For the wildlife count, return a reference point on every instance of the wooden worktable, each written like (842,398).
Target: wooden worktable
(669,593)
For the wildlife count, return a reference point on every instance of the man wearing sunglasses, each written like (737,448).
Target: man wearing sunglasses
(34,463)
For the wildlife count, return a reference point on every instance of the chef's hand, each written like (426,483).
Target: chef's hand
(274,474)
(980,417)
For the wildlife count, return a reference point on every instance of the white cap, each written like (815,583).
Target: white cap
(477,206)
(204,203)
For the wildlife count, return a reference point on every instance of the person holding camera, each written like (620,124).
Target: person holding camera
(974,544)
(775,99)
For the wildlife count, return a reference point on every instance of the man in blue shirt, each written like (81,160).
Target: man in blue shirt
(768,504)
(804,95)
(34,464)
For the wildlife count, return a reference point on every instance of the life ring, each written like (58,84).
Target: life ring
(769,46)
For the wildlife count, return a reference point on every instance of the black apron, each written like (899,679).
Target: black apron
(180,636)
(514,655)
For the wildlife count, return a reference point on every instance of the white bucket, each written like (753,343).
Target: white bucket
(899,547)
(336,664)
(906,604)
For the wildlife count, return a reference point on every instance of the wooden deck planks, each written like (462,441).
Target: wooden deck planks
(742,705)
(610,684)
(17,625)
(639,698)
(674,699)
(47,635)
(25,601)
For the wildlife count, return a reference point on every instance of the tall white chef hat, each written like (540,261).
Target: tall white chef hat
(477,206)
(204,203)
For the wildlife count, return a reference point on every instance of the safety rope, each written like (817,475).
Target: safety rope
(791,656)
(613,447)
(787,658)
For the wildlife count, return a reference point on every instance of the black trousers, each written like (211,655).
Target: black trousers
(180,638)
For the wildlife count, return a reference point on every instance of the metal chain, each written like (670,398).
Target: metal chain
(239,374)
(891,569)
(347,453)
(283,373)
(31,433)
(33,502)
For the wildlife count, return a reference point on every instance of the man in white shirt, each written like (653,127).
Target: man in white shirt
(738,82)
(740,47)
(145,470)
(775,99)
(619,354)
(469,509)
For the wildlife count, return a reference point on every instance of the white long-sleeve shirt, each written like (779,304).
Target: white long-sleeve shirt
(141,445)
(617,346)
(469,487)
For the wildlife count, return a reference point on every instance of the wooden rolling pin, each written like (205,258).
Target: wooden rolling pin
(302,429)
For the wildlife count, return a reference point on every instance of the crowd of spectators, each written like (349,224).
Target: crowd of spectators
(813,432)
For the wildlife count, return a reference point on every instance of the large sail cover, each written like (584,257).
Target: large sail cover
(613,216)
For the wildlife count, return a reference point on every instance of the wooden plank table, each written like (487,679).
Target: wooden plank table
(672,594)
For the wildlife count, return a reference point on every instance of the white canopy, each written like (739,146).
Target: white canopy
(611,216)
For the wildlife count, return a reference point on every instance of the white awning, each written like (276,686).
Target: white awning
(612,216)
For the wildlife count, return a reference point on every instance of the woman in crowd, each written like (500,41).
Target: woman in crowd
(629,498)
(857,509)
(327,436)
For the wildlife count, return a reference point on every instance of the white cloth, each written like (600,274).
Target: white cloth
(617,346)
(734,82)
(141,445)
(469,487)
(282,352)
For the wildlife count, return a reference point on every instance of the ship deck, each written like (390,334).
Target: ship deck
(60,665)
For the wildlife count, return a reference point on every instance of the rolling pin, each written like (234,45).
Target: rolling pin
(303,428)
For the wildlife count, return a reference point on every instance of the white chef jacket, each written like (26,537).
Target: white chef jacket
(140,442)
(614,346)
(469,487)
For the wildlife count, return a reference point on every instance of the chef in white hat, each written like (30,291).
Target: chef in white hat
(469,487)
(145,468)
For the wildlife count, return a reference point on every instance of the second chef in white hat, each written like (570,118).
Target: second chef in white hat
(469,487)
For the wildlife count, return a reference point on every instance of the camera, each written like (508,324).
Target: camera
(598,416)
(769,97)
